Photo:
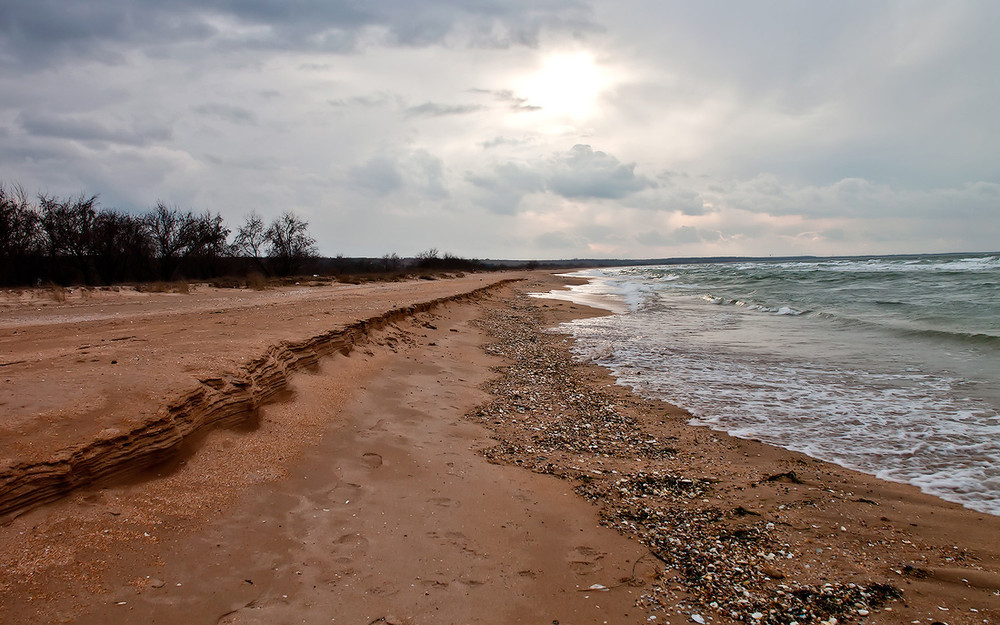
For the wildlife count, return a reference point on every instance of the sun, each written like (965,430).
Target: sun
(566,84)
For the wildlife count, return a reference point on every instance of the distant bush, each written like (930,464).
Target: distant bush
(179,286)
(432,260)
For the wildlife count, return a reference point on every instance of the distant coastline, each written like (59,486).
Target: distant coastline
(692,260)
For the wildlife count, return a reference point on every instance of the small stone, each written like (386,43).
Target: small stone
(772,572)
(698,618)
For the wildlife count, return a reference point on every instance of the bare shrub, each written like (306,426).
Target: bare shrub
(289,243)
(256,281)
(57,292)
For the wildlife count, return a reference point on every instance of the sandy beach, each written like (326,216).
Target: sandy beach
(419,452)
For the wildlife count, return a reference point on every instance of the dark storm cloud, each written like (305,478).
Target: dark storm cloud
(38,32)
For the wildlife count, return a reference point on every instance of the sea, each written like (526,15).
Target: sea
(887,365)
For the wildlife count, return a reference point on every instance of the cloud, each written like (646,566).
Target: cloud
(506,96)
(230,113)
(45,31)
(584,173)
(370,101)
(379,174)
(579,174)
(503,188)
(434,109)
(557,240)
(855,198)
(88,130)
(679,236)
(416,172)
(504,141)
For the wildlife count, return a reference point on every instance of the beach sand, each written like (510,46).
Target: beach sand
(443,464)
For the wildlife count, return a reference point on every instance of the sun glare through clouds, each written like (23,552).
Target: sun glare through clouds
(566,84)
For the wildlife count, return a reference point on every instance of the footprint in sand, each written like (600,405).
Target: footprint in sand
(344,491)
(371,459)
(585,560)
(352,540)
(444,502)
(433,583)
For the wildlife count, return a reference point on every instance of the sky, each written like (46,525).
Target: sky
(550,129)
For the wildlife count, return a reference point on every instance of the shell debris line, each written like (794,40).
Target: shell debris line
(729,564)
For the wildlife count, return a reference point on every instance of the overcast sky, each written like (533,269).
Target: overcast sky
(522,128)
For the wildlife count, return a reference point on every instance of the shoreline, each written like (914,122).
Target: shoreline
(819,528)
(386,509)
(879,457)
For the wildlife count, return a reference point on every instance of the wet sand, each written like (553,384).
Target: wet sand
(421,478)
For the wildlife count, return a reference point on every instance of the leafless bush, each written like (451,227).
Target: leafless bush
(57,293)
(256,281)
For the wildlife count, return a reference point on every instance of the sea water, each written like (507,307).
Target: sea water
(889,366)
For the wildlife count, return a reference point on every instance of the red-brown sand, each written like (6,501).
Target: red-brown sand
(360,492)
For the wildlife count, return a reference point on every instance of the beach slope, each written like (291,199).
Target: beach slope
(454,464)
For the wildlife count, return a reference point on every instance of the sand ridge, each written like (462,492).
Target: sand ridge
(50,439)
